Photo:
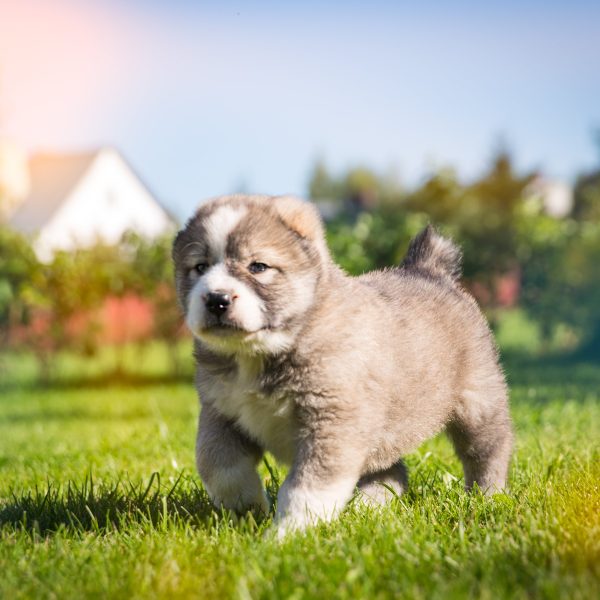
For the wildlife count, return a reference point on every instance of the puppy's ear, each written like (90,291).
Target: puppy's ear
(301,217)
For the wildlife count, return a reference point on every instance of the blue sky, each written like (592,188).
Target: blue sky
(204,98)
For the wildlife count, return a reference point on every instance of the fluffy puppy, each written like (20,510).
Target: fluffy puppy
(337,376)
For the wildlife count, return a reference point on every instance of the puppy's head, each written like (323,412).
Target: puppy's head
(247,271)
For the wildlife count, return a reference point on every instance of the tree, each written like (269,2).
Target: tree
(151,270)
(322,186)
(560,278)
(586,197)
(482,216)
(20,277)
(358,190)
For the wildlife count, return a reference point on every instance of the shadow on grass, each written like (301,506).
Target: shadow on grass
(559,369)
(101,509)
(88,507)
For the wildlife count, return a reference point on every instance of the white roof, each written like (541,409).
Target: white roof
(52,178)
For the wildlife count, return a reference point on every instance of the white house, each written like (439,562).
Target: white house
(75,200)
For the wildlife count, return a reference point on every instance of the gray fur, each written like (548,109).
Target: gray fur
(371,367)
(432,253)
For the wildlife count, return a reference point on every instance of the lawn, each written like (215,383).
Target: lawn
(99,497)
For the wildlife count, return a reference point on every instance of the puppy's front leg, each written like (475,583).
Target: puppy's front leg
(322,478)
(226,461)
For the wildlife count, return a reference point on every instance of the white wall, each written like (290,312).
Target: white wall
(107,201)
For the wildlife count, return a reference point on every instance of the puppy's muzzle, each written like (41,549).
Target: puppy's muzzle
(217,303)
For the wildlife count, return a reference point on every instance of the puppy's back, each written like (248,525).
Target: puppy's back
(430,309)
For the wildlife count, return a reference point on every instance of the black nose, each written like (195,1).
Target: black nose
(217,303)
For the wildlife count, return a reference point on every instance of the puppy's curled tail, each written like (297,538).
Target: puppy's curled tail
(434,254)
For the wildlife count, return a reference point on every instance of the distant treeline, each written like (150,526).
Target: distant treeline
(83,299)
(515,253)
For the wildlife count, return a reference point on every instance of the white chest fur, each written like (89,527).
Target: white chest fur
(268,419)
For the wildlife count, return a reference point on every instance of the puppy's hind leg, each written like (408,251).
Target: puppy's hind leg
(482,436)
(376,488)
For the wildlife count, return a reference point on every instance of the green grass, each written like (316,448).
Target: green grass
(135,363)
(98,497)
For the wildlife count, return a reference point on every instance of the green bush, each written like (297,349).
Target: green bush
(20,278)
(501,228)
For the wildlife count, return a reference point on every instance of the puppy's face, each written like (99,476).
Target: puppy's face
(247,270)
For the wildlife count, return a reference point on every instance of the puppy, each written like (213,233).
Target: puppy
(337,376)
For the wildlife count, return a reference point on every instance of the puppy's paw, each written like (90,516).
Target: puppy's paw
(242,502)
(286,527)
(301,507)
(237,489)
(278,532)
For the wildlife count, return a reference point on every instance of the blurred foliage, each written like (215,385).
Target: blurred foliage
(151,270)
(374,240)
(481,215)
(586,197)
(586,201)
(20,278)
(55,306)
(359,189)
(502,228)
(561,277)
(76,283)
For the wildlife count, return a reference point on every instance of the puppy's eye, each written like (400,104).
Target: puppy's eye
(257,267)
(200,268)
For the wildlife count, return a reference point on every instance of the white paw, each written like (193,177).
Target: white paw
(287,526)
(241,502)
(299,507)
(238,489)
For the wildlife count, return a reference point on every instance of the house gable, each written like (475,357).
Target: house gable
(107,200)
(52,177)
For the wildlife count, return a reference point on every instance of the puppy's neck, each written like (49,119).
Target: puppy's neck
(250,366)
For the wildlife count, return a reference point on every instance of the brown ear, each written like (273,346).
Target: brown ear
(300,216)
